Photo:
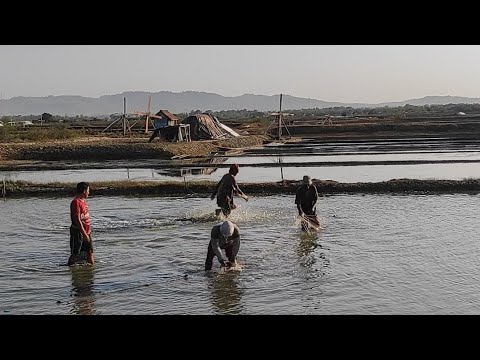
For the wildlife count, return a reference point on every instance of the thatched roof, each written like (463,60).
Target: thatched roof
(204,127)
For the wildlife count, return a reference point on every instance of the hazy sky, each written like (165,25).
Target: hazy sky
(345,73)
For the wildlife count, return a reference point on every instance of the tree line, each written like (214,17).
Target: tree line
(339,111)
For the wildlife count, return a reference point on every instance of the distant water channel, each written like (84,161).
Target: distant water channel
(346,174)
(344,161)
(376,254)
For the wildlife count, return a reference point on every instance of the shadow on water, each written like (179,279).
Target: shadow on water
(225,293)
(83,278)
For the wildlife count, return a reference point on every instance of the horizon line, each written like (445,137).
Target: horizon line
(244,94)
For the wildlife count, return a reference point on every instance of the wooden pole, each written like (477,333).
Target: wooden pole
(280,119)
(280,161)
(124,116)
(147,119)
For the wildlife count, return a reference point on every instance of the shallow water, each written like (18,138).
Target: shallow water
(346,174)
(376,254)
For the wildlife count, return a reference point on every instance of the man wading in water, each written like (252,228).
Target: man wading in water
(81,248)
(306,199)
(226,188)
(224,236)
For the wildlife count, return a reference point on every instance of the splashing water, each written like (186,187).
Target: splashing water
(242,214)
(108,223)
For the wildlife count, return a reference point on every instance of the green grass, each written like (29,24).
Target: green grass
(15,134)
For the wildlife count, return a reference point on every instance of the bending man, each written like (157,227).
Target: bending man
(226,236)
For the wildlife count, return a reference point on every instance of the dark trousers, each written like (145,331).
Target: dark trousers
(310,211)
(77,244)
(211,255)
(226,204)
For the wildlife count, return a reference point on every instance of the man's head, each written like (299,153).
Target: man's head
(307,180)
(83,188)
(227,228)
(233,169)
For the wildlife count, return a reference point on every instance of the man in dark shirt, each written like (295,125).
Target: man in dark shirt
(225,189)
(306,200)
(225,235)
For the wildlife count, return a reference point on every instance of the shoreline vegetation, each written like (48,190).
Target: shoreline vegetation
(18,189)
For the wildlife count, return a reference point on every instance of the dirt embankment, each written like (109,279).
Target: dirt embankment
(107,148)
(371,128)
(15,189)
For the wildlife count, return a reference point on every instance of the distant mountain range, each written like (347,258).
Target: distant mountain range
(187,101)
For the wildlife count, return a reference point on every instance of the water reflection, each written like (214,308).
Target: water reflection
(181,172)
(279,160)
(201,171)
(82,290)
(307,243)
(226,294)
(311,254)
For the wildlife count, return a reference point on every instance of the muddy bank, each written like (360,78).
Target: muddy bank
(15,189)
(107,148)
(391,127)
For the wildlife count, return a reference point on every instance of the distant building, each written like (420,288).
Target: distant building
(165,118)
(167,128)
(23,123)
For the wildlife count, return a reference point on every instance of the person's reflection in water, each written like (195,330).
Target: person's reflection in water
(311,254)
(305,249)
(82,290)
(225,293)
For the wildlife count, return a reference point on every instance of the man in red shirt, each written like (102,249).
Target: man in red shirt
(81,247)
